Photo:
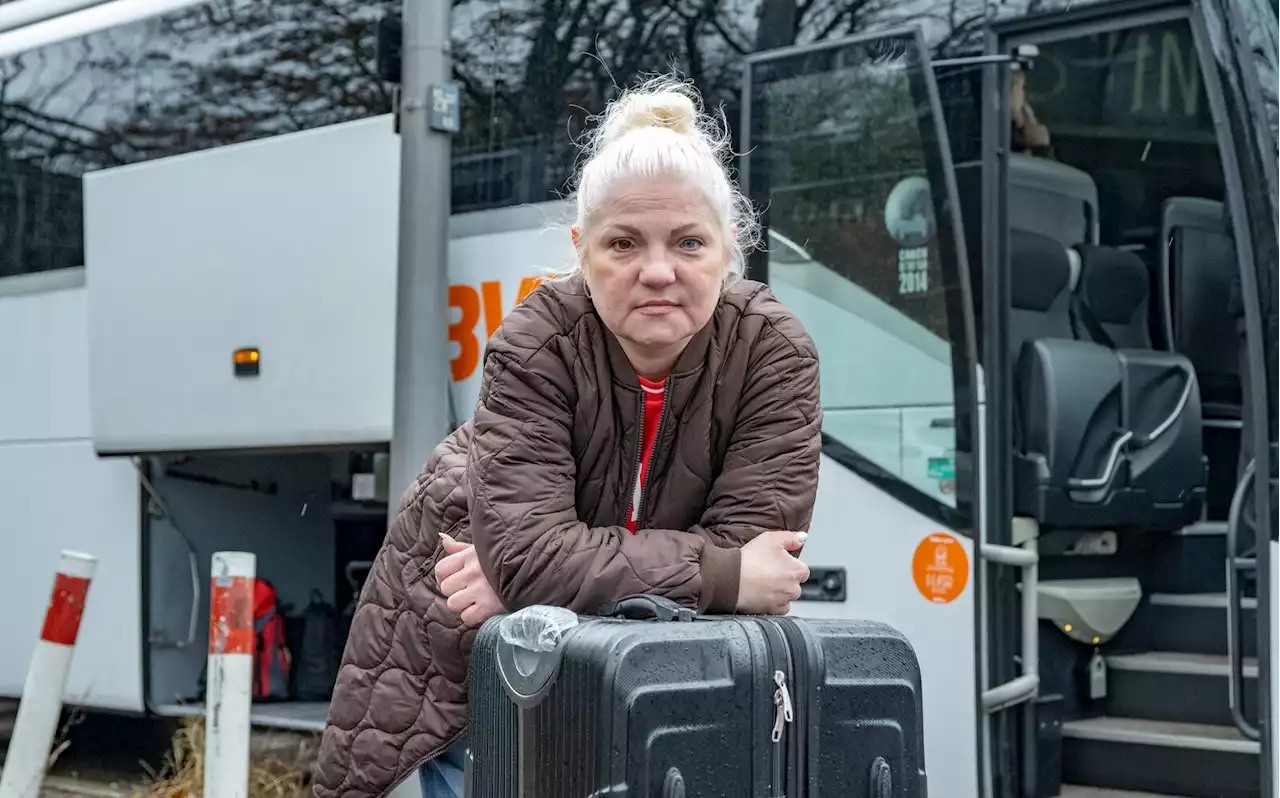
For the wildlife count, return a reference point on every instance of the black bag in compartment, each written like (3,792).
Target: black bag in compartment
(318,651)
(650,700)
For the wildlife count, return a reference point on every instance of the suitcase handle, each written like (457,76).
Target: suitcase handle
(641,606)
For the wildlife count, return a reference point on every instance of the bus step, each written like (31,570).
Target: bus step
(1161,757)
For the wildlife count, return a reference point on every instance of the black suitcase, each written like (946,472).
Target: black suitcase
(649,701)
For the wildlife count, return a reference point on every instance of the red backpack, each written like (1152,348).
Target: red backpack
(271,657)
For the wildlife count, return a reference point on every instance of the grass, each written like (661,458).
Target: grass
(182,775)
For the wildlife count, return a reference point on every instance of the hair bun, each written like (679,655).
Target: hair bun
(669,108)
(630,139)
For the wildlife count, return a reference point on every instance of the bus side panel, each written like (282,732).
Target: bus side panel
(56,494)
(496,258)
(286,244)
(879,542)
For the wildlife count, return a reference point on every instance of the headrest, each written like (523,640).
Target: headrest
(1199,228)
(1113,282)
(1055,177)
(1195,213)
(1052,198)
(1039,270)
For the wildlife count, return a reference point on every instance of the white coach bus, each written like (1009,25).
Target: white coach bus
(971,206)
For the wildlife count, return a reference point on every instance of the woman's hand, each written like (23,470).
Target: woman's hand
(464,585)
(770,575)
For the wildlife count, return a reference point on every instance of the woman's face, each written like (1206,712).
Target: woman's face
(654,258)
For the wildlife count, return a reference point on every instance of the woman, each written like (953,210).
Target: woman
(649,424)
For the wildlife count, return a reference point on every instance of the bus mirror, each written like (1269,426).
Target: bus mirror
(390,42)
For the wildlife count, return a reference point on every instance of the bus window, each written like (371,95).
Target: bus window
(1128,107)
(846,161)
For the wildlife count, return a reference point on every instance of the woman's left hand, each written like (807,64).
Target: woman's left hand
(464,584)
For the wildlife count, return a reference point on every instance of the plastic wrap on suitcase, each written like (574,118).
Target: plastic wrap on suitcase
(648,700)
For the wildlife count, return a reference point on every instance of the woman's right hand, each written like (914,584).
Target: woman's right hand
(771,575)
(464,584)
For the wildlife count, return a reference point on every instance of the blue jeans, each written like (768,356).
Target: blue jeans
(443,776)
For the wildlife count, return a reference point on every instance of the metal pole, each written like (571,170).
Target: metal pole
(428,115)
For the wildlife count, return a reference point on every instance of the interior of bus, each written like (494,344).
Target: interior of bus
(1125,355)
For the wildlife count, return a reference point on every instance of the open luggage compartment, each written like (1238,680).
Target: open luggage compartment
(313,539)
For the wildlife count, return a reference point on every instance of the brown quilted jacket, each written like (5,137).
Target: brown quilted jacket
(540,481)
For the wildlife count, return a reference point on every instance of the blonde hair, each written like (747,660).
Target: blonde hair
(656,129)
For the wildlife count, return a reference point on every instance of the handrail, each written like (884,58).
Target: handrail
(1164,426)
(1009,555)
(1113,461)
(1025,688)
(1235,626)
(1009,694)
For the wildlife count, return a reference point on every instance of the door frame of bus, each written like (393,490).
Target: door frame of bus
(965,365)
(1101,18)
(1250,178)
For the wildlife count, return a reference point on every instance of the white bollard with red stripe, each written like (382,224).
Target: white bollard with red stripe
(41,704)
(230,682)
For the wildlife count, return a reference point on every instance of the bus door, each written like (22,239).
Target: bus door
(847,159)
(1130,162)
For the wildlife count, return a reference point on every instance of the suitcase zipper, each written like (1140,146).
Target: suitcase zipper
(784,712)
(803,668)
(784,708)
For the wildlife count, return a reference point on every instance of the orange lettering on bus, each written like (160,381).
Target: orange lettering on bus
(463,331)
(492,293)
(470,303)
(526,287)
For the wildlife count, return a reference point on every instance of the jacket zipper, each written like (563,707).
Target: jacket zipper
(413,771)
(635,469)
(639,485)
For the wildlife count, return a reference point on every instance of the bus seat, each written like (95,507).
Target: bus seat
(1041,275)
(1196,269)
(1109,438)
(1053,199)
(1104,436)
(1110,306)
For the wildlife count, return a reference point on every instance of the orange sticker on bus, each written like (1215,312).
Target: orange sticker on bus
(471,304)
(940,568)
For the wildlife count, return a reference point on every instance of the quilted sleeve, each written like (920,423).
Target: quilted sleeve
(769,478)
(524,524)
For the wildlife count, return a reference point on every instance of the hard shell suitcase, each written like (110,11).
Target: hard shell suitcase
(650,701)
